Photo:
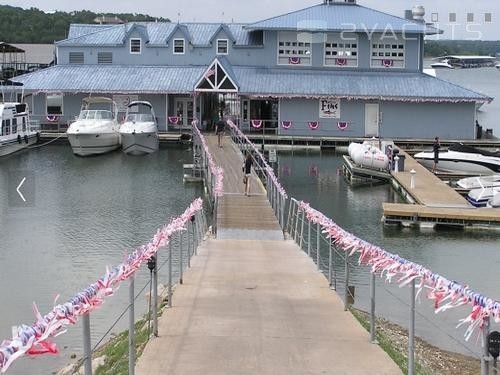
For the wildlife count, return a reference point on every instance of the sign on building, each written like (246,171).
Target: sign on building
(329,108)
(122,101)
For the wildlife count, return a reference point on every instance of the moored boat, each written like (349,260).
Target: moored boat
(481,196)
(16,132)
(96,131)
(462,158)
(479,182)
(139,132)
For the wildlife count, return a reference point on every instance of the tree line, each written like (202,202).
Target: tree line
(18,25)
(435,48)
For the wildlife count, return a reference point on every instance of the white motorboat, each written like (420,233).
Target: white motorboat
(442,64)
(462,158)
(479,182)
(481,196)
(139,132)
(494,202)
(497,66)
(96,131)
(16,132)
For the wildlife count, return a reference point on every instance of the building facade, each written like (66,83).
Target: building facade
(334,69)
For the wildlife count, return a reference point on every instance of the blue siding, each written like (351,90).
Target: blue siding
(400,120)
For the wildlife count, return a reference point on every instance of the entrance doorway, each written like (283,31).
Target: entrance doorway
(184,111)
(371,120)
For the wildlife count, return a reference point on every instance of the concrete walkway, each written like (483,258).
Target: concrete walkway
(259,307)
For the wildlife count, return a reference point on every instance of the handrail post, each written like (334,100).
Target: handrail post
(330,265)
(411,331)
(309,237)
(288,223)
(87,349)
(346,294)
(282,210)
(188,240)
(318,232)
(372,309)
(296,215)
(180,258)
(302,228)
(131,329)
(485,364)
(170,273)
(155,299)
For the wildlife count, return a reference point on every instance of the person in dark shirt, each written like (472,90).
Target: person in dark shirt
(436,147)
(220,129)
(247,169)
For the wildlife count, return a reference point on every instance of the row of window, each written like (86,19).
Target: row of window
(8,127)
(452,17)
(179,46)
(339,51)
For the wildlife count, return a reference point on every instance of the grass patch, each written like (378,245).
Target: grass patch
(393,349)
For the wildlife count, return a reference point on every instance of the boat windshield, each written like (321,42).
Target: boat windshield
(95,115)
(139,117)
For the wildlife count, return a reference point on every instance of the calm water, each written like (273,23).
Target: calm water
(89,212)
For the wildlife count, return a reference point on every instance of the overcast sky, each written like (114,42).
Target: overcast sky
(248,11)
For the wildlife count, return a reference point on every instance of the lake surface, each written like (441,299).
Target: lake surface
(88,213)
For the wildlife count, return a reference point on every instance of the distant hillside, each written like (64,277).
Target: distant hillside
(18,25)
(435,48)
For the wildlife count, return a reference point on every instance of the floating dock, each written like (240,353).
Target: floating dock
(434,202)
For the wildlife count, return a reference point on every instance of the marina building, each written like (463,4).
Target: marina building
(334,69)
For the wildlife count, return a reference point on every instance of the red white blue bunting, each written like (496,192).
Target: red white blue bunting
(313,125)
(257,124)
(286,124)
(446,294)
(34,339)
(174,120)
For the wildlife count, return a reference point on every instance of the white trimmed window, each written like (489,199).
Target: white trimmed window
(387,53)
(222,46)
(341,50)
(294,48)
(434,17)
(104,57)
(76,58)
(470,17)
(452,17)
(54,104)
(135,46)
(488,17)
(179,46)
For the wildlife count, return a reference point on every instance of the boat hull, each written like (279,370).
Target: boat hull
(93,144)
(9,147)
(139,143)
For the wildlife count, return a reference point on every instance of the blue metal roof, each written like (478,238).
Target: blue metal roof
(253,81)
(199,34)
(413,87)
(113,79)
(338,17)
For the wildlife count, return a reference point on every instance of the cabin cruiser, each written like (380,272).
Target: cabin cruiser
(16,132)
(481,196)
(462,158)
(442,64)
(139,132)
(479,182)
(464,61)
(96,130)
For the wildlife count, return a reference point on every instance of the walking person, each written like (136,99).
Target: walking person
(435,148)
(220,129)
(247,170)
